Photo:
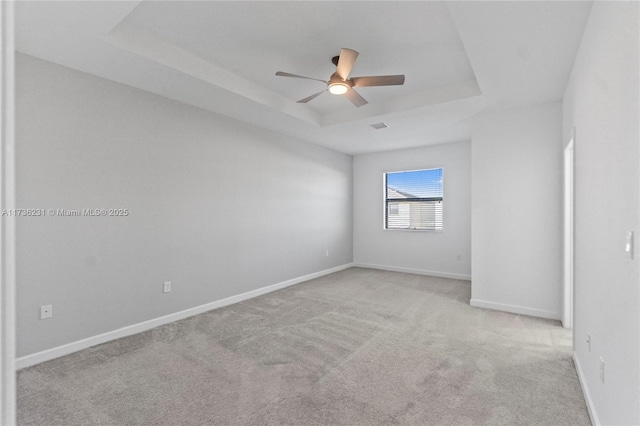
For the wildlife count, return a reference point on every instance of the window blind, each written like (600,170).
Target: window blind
(414,199)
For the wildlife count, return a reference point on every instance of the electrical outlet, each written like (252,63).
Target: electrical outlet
(589,342)
(326,253)
(46,311)
(601,370)
(166,287)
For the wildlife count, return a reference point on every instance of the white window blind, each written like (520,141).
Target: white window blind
(413,200)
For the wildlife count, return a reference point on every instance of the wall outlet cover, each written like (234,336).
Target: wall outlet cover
(46,311)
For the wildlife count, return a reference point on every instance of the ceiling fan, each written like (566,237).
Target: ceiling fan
(340,84)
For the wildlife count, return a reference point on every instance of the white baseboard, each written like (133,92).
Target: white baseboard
(585,390)
(514,309)
(49,354)
(414,271)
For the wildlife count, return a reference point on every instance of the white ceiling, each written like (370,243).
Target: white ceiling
(459,58)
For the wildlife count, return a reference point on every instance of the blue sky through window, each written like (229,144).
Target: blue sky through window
(417,183)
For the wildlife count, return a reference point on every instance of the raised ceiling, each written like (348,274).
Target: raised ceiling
(459,58)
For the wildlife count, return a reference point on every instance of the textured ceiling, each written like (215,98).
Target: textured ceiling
(459,58)
(254,40)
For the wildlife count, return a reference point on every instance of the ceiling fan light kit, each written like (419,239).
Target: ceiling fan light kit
(340,84)
(337,86)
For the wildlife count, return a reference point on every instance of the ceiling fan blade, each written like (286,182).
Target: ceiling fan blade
(345,62)
(308,98)
(378,80)
(355,98)
(286,74)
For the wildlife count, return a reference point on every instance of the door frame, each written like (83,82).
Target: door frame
(7,223)
(568,232)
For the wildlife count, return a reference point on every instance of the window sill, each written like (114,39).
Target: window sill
(412,230)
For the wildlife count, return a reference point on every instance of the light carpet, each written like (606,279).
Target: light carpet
(358,347)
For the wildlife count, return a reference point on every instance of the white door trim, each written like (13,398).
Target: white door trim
(567,308)
(7,223)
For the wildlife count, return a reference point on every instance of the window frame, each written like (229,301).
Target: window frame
(385,201)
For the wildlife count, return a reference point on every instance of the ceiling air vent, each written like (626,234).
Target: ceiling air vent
(379,126)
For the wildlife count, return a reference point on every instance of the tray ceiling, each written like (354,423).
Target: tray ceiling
(459,59)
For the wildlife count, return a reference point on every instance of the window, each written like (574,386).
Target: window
(413,200)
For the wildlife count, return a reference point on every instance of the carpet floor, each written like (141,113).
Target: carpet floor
(358,347)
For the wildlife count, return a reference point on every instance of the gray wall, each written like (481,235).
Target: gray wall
(445,253)
(601,102)
(216,206)
(517,210)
